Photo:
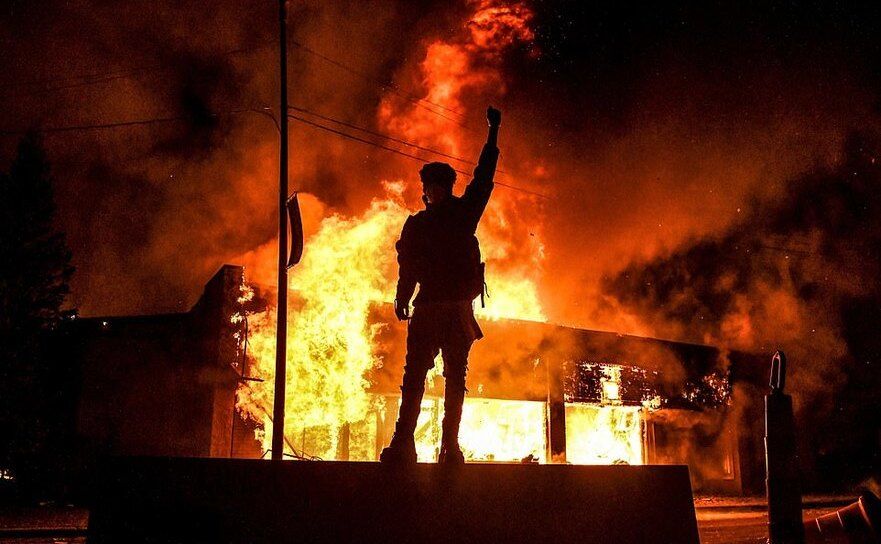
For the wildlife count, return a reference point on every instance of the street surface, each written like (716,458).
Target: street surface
(741,526)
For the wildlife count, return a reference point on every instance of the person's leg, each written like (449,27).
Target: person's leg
(412,389)
(420,358)
(455,367)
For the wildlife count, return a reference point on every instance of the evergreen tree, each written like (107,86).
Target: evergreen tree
(34,274)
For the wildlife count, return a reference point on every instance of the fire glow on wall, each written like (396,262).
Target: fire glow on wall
(501,430)
(498,430)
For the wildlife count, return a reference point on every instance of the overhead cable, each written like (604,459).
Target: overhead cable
(402,153)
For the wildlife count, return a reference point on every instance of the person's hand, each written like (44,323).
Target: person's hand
(493,116)
(402,310)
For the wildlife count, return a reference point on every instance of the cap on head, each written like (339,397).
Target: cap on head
(438,173)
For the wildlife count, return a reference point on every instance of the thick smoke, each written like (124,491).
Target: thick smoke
(798,272)
(151,211)
(647,130)
(665,124)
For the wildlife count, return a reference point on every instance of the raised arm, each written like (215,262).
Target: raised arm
(479,189)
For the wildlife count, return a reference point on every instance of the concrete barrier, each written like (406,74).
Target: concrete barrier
(228,500)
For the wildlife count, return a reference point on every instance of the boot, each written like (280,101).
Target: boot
(402,449)
(451,454)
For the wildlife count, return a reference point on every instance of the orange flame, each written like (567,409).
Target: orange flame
(348,266)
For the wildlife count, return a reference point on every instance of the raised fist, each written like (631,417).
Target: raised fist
(493,116)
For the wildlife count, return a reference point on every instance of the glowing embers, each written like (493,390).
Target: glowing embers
(604,434)
(491,430)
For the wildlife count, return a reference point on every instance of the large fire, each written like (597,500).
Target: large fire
(492,430)
(349,268)
(604,435)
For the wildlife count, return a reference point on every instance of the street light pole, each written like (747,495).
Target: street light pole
(282,307)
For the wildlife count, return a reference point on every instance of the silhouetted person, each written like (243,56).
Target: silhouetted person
(438,250)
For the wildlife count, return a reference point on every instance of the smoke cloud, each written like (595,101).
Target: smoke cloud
(798,273)
(647,131)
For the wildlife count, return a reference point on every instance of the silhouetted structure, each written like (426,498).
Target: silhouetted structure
(163,384)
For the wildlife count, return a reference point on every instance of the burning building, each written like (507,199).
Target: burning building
(161,384)
(539,393)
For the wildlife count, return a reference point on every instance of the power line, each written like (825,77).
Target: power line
(53,130)
(96,78)
(387,137)
(117,124)
(103,77)
(380,135)
(403,153)
(93,79)
(162,120)
(392,87)
(389,86)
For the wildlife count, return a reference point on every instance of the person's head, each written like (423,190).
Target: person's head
(437,181)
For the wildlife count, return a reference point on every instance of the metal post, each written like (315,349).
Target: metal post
(282,307)
(781,462)
(556,411)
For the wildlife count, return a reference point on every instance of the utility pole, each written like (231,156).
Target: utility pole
(281,333)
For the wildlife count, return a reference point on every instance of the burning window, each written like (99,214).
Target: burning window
(604,434)
(491,430)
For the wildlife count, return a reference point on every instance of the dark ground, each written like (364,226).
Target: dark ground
(744,520)
(720,520)
(43,524)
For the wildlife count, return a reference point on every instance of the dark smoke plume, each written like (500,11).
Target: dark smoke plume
(799,272)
